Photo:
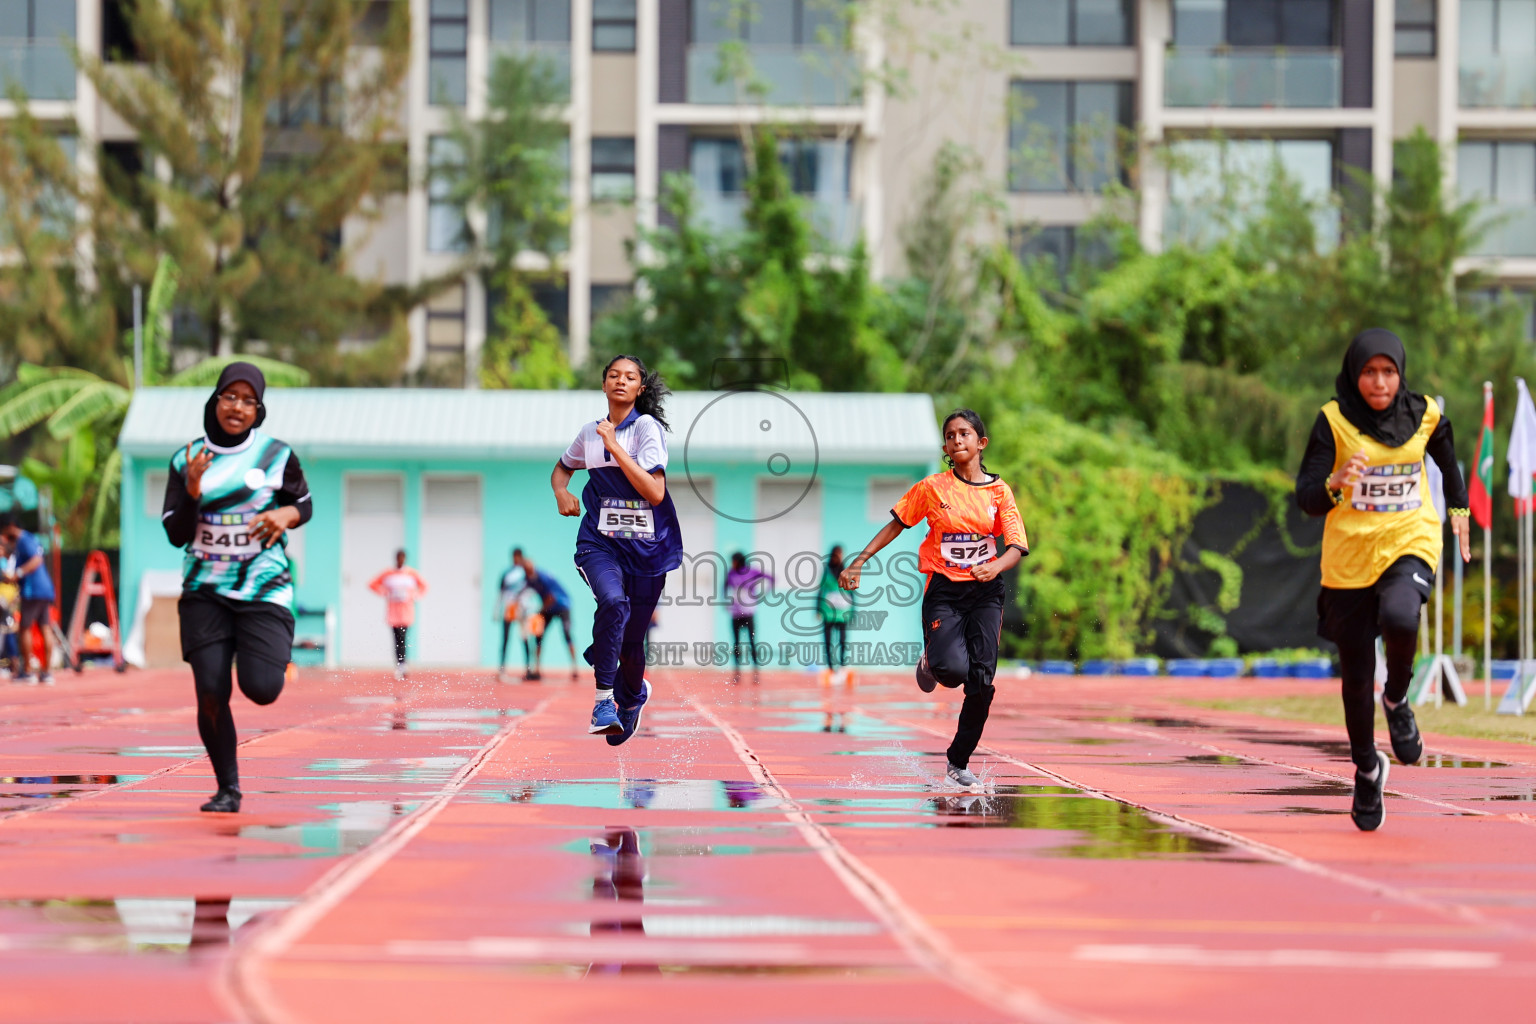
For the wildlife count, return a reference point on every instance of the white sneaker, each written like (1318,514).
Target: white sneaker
(961,777)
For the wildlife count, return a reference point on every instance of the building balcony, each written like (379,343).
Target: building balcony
(1511,231)
(1253,79)
(839,220)
(555,56)
(42,68)
(1500,81)
(779,76)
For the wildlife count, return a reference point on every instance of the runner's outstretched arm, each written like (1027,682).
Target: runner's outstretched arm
(849,578)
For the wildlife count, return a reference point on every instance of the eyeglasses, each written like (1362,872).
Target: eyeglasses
(233,400)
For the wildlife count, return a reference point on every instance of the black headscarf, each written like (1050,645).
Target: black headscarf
(233,372)
(1398,422)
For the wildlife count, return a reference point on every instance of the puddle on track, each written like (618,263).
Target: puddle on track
(636,794)
(351,827)
(175,924)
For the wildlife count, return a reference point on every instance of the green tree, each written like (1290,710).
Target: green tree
(509,172)
(266,128)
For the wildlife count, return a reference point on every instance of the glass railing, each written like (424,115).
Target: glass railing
(556,55)
(42,68)
(780,76)
(1252,78)
(1511,230)
(836,220)
(1499,80)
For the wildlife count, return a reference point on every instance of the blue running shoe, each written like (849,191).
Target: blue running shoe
(605,718)
(629,718)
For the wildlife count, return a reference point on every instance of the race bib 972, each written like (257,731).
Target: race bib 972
(225,537)
(964,550)
(1391,488)
(622,519)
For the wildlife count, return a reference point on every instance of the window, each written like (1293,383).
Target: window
(1519,304)
(447,229)
(882,495)
(1071,22)
(445,322)
(1415,31)
(1497,172)
(117,43)
(447,52)
(122,169)
(1066,135)
(554,298)
(613,25)
(779,23)
(1497,26)
(1256,23)
(38,35)
(613,168)
(816,167)
(154,492)
(535,21)
(1217,185)
(1062,245)
(608,298)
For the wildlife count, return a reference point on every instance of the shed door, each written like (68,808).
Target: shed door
(687,614)
(372,530)
(789,533)
(451,556)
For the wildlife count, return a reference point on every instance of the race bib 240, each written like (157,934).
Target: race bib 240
(225,537)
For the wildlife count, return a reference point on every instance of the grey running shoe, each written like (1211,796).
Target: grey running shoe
(925,680)
(1369,809)
(961,777)
(1406,742)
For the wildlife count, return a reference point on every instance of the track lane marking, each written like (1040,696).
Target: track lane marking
(928,947)
(241,981)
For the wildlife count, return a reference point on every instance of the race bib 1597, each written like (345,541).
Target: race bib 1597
(622,519)
(225,537)
(964,550)
(1391,488)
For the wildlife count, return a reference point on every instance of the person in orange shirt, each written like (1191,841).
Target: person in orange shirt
(968,510)
(401,587)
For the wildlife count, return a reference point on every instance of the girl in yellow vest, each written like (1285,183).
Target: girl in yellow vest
(1364,470)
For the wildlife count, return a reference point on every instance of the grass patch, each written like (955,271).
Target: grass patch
(1471,721)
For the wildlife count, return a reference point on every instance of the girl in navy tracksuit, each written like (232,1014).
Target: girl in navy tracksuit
(629,538)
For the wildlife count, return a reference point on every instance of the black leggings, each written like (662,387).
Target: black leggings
(743,624)
(506,636)
(1353,619)
(400,633)
(842,643)
(962,626)
(261,680)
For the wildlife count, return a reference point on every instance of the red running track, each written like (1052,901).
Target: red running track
(451,848)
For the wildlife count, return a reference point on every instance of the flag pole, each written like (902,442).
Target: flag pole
(1488,583)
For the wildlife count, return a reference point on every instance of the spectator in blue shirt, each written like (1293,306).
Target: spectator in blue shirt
(37,597)
(556,605)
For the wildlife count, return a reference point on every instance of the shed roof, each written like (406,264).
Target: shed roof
(438,423)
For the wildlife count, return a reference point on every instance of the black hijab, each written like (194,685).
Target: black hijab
(233,372)
(1398,422)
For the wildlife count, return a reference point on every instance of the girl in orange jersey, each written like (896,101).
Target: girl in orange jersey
(968,510)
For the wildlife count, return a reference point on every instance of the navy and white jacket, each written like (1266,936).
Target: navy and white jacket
(644,539)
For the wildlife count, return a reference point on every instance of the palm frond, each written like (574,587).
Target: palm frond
(108,492)
(31,373)
(206,373)
(92,404)
(36,403)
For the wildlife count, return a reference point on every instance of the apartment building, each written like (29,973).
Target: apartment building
(1324,85)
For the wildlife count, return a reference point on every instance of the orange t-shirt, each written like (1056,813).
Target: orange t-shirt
(400,589)
(965,521)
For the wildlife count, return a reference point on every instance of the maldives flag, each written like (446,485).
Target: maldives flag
(1481,499)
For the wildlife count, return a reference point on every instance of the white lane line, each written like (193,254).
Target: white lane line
(912,932)
(1262,849)
(242,979)
(1197,956)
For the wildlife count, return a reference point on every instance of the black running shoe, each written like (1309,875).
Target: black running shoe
(225,801)
(925,680)
(1370,808)
(1406,742)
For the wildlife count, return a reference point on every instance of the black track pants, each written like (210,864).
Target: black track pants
(260,679)
(1353,619)
(962,625)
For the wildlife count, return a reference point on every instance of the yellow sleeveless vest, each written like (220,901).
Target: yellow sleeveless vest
(1387,514)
